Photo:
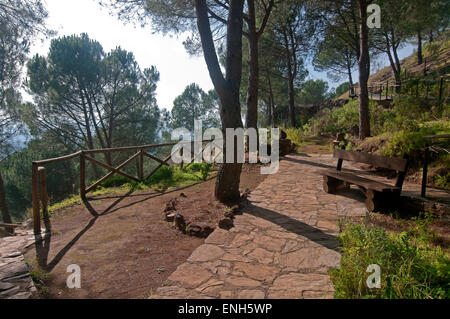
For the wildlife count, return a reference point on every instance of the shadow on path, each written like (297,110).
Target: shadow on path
(42,242)
(295,226)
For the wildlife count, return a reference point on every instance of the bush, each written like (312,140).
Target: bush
(203,168)
(163,173)
(344,119)
(405,141)
(410,268)
(115,181)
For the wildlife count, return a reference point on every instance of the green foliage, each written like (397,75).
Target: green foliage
(203,168)
(313,92)
(295,135)
(163,173)
(345,119)
(341,89)
(410,267)
(405,141)
(195,104)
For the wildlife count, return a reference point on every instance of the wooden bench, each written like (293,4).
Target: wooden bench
(378,195)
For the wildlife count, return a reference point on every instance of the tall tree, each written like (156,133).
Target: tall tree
(294,29)
(227,87)
(335,56)
(364,72)
(85,97)
(20,23)
(195,104)
(392,34)
(179,16)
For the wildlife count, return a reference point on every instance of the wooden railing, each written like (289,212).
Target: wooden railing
(38,180)
(388,90)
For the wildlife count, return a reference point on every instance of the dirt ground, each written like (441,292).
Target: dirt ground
(122,244)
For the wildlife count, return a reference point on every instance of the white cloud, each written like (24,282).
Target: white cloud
(176,67)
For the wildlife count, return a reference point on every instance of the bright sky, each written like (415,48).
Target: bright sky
(176,67)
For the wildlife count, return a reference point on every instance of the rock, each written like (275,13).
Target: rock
(170,217)
(5,286)
(206,253)
(171,205)
(235,209)
(206,231)
(183,195)
(179,222)
(226,223)
(245,194)
(194,230)
(191,275)
(229,215)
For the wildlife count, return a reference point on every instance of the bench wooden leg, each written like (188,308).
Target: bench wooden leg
(332,185)
(377,201)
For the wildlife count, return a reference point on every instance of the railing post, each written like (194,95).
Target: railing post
(387,90)
(141,165)
(82,175)
(35,199)
(44,197)
(441,87)
(425,172)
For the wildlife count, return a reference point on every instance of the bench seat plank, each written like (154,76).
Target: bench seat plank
(360,181)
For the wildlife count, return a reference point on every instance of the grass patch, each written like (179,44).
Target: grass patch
(410,267)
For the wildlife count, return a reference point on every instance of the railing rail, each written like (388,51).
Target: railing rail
(38,175)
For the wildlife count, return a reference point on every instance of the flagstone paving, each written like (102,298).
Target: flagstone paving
(282,246)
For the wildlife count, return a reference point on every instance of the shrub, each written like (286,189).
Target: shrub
(408,269)
(115,181)
(163,173)
(405,141)
(203,168)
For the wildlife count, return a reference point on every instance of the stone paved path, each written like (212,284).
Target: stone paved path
(15,279)
(281,246)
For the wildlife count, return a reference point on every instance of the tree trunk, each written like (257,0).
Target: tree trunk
(4,206)
(228,179)
(364,72)
(419,48)
(253,66)
(272,101)
(350,80)
(291,93)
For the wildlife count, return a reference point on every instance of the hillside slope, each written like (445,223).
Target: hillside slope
(436,63)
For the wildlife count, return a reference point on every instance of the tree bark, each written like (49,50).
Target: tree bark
(4,206)
(228,179)
(350,80)
(364,72)
(253,66)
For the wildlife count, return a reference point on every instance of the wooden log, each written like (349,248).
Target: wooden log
(82,175)
(141,165)
(35,198)
(44,197)
(5,233)
(58,159)
(332,185)
(10,225)
(113,171)
(156,159)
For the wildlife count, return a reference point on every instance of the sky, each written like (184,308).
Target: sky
(177,68)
